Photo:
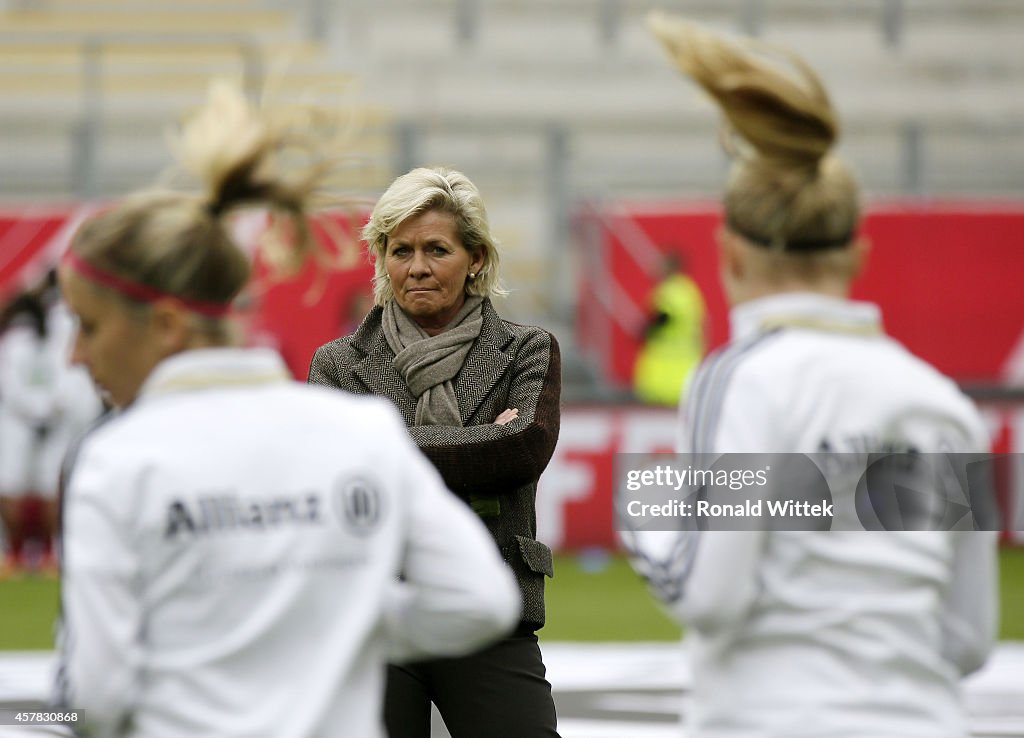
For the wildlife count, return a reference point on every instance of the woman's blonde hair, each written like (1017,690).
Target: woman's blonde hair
(786,191)
(178,244)
(445,190)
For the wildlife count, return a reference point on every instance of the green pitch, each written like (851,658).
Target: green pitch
(612,603)
(28,608)
(592,598)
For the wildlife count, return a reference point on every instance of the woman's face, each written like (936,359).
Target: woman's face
(428,267)
(112,341)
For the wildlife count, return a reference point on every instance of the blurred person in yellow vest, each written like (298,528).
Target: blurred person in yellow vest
(674,337)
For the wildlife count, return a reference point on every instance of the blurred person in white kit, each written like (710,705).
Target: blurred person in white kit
(45,403)
(812,633)
(233,540)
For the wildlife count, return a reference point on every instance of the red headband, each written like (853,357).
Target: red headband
(140,292)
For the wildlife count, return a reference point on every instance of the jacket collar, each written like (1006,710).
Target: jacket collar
(486,362)
(214,367)
(805,310)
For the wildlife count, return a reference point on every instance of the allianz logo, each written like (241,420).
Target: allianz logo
(356,502)
(210,514)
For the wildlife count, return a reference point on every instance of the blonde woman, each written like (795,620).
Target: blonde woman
(233,540)
(813,633)
(481,398)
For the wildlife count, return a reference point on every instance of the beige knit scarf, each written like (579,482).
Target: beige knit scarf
(429,363)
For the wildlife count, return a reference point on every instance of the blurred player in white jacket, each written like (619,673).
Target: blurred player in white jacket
(233,540)
(45,404)
(796,633)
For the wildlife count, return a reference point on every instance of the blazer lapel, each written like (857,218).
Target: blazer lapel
(377,371)
(484,366)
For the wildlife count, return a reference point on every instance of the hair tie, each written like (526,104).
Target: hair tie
(790,245)
(214,208)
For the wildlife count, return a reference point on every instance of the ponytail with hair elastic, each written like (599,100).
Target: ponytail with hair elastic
(234,150)
(787,190)
(178,244)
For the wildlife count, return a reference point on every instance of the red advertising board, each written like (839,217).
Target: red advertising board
(948,277)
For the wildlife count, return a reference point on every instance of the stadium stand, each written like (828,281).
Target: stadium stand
(544,104)
(87,89)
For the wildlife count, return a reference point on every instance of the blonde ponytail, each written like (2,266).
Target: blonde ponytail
(787,190)
(178,244)
(236,152)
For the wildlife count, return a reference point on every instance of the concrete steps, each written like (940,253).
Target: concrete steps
(636,129)
(195,19)
(522,95)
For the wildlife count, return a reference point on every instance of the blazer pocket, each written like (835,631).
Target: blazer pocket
(536,555)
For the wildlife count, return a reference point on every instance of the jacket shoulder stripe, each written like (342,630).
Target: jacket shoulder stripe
(709,394)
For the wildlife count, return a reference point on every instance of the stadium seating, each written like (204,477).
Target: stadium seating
(545,102)
(89,90)
(541,103)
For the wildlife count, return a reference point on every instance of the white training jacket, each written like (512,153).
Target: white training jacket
(843,634)
(232,547)
(39,388)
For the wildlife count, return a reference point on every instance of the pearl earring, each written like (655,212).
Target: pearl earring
(472,275)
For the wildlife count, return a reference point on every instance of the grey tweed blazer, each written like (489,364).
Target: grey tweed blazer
(493,468)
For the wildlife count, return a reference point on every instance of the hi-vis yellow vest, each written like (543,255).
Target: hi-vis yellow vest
(674,348)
